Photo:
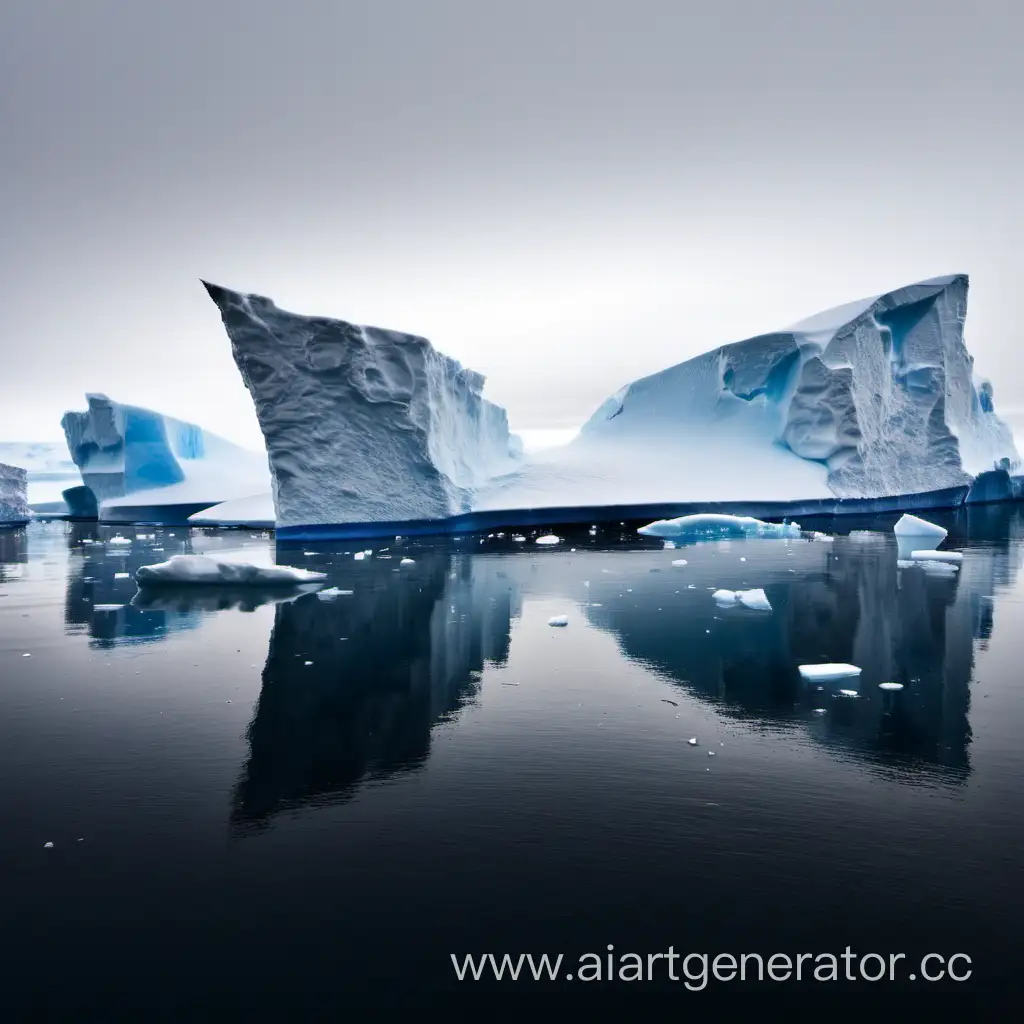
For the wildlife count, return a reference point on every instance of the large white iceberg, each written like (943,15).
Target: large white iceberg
(140,464)
(14,510)
(873,400)
(362,424)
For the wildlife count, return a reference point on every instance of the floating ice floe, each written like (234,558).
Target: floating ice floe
(756,599)
(558,620)
(928,555)
(848,693)
(119,540)
(828,671)
(915,534)
(203,569)
(891,687)
(122,575)
(519,539)
(692,741)
(715,524)
(548,538)
(359,556)
(407,561)
(331,593)
(679,562)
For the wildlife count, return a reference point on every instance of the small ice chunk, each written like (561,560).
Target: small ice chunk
(407,561)
(548,538)
(47,846)
(756,599)
(119,540)
(122,575)
(679,561)
(936,556)
(203,569)
(26,655)
(848,693)
(827,671)
(711,753)
(692,741)
(891,687)
(359,556)
(107,607)
(558,620)
(912,526)
(331,593)
(519,539)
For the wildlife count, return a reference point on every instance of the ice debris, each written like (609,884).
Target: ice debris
(548,538)
(679,561)
(407,561)
(558,620)
(891,687)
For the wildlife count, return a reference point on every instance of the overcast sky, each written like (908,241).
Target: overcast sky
(562,194)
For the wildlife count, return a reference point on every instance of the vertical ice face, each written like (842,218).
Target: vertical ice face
(362,424)
(13,495)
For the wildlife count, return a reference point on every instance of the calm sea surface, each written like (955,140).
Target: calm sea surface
(282,807)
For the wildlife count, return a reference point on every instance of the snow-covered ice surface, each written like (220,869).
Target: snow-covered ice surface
(704,526)
(134,457)
(362,424)
(206,569)
(13,495)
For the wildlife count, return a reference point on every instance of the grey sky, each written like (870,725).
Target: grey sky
(563,195)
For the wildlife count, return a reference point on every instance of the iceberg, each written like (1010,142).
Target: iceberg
(254,511)
(205,569)
(14,510)
(50,471)
(872,406)
(143,466)
(362,424)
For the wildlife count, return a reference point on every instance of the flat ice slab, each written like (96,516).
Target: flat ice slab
(913,526)
(937,556)
(202,569)
(828,671)
(716,524)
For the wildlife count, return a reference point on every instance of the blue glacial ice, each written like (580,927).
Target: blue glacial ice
(712,525)
(131,458)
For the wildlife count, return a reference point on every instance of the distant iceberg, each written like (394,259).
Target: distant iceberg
(50,471)
(14,510)
(703,526)
(144,466)
(874,401)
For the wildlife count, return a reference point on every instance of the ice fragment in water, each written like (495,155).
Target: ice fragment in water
(936,556)
(692,741)
(679,561)
(407,561)
(714,524)
(202,569)
(558,620)
(828,670)
(548,538)
(755,599)
(890,686)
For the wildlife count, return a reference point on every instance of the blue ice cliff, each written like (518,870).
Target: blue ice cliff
(873,399)
(14,509)
(131,457)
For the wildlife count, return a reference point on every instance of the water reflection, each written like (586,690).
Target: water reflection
(13,552)
(212,598)
(353,684)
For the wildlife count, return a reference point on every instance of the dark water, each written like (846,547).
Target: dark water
(275,809)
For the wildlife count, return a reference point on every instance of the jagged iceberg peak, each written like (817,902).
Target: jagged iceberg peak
(362,424)
(881,392)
